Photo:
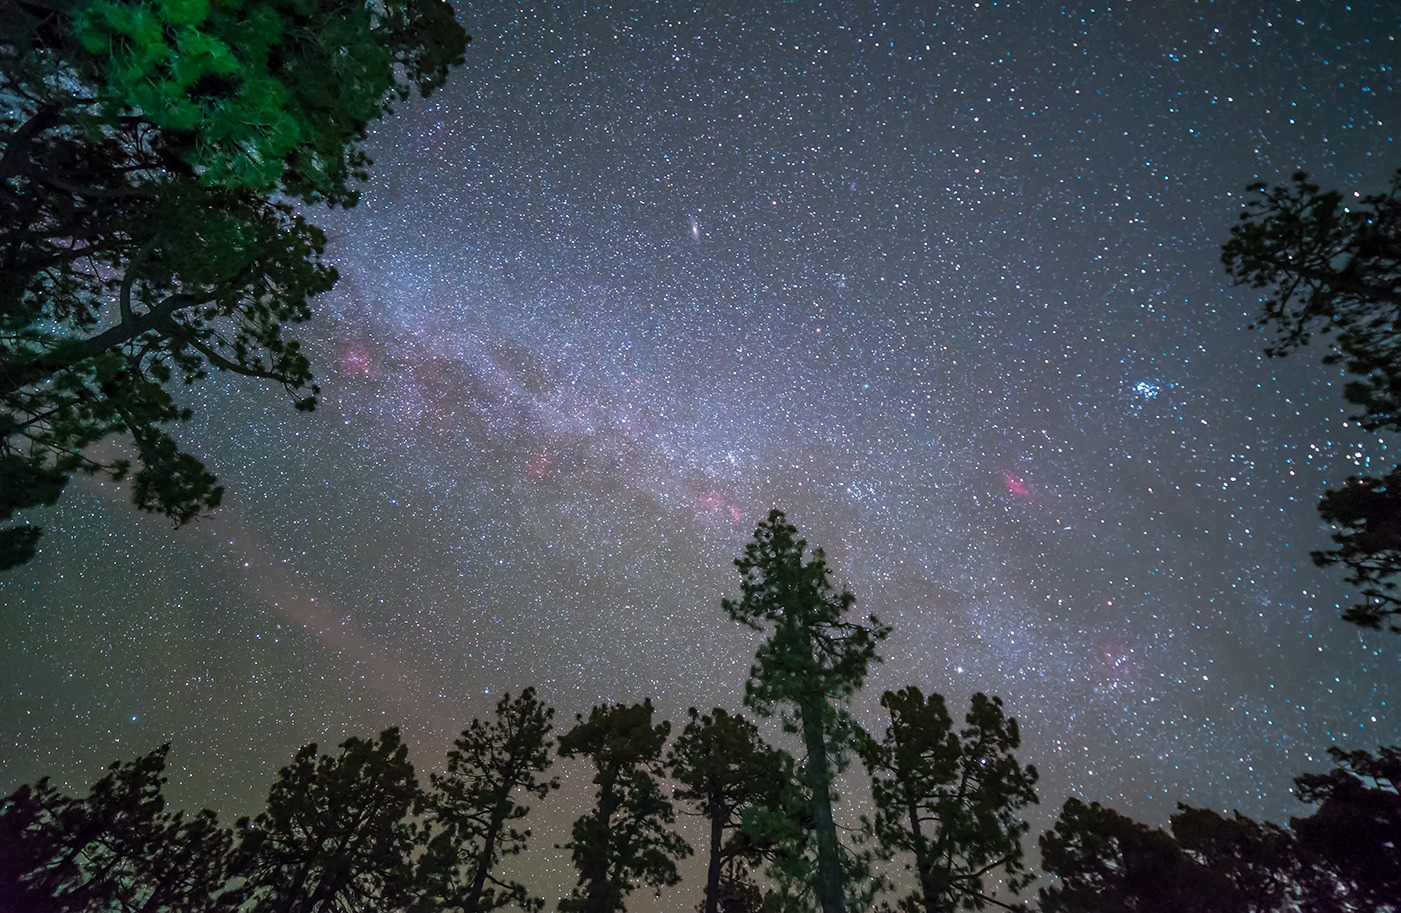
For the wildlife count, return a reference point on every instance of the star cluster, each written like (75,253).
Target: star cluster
(939,280)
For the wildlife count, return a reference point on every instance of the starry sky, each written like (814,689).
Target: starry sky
(941,280)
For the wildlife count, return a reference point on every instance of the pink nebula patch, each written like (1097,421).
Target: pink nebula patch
(1118,666)
(712,504)
(539,466)
(356,361)
(1015,485)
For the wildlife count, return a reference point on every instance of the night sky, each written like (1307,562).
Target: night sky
(941,281)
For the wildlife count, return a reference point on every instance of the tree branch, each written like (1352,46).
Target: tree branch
(1335,280)
(14,377)
(997,903)
(47,116)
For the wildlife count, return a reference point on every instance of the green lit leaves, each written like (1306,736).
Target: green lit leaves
(272,95)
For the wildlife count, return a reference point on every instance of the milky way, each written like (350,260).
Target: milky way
(940,280)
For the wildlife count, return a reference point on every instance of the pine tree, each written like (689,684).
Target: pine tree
(725,768)
(152,153)
(1266,865)
(626,841)
(117,848)
(1331,269)
(950,800)
(472,808)
(813,661)
(1104,862)
(336,833)
(1356,830)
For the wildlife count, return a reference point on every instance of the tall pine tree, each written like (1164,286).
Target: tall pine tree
(472,808)
(814,659)
(950,800)
(626,841)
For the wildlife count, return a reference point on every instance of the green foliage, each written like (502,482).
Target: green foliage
(273,95)
(153,154)
(1333,270)
(788,840)
(472,811)
(950,800)
(813,660)
(336,833)
(812,650)
(626,841)
(116,849)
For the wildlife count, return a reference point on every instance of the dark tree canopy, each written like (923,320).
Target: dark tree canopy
(115,849)
(950,800)
(1269,870)
(150,157)
(1365,514)
(814,659)
(1340,859)
(725,769)
(1356,830)
(472,809)
(625,841)
(1105,862)
(336,833)
(1332,269)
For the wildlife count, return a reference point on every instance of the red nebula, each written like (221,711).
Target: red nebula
(357,361)
(713,504)
(1015,485)
(539,466)
(1118,666)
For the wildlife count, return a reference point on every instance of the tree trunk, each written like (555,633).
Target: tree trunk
(712,873)
(819,777)
(593,868)
(929,891)
(474,890)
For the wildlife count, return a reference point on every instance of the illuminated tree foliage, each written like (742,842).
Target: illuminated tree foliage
(151,154)
(1332,269)
(813,660)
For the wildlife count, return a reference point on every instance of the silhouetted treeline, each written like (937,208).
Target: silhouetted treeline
(356,830)
(1328,265)
(1345,856)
